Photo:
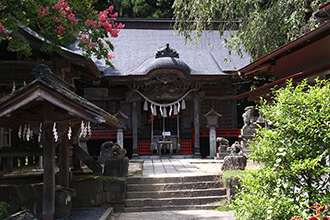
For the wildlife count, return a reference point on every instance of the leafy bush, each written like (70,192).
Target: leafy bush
(4,210)
(232,174)
(293,150)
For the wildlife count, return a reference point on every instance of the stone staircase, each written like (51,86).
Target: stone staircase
(173,193)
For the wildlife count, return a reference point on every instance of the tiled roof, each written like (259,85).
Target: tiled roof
(135,51)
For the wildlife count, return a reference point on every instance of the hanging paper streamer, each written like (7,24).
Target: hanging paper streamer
(40,132)
(155,111)
(20,131)
(83,130)
(14,87)
(55,132)
(152,109)
(175,111)
(28,133)
(145,106)
(161,110)
(69,132)
(165,112)
(24,132)
(170,113)
(31,133)
(177,105)
(183,103)
(89,129)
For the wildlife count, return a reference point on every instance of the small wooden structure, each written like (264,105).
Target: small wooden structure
(48,107)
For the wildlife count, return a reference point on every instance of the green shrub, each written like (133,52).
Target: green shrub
(292,151)
(232,174)
(4,210)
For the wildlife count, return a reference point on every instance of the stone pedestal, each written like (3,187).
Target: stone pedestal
(247,135)
(116,167)
(234,163)
(232,187)
(63,203)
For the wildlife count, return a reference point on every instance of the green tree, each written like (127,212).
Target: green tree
(139,8)
(264,26)
(292,151)
(60,23)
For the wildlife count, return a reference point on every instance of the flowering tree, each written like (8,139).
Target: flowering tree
(60,23)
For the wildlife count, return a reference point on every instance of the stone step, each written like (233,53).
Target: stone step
(169,208)
(173,186)
(176,193)
(147,202)
(150,180)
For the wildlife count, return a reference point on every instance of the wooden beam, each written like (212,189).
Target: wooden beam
(22,64)
(64,162)
(12,152)
(48,206)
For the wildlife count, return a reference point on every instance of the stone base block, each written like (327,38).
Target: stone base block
(234,163)
(116,167)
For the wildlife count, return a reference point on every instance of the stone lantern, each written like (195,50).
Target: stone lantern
(212,122)
(120,134)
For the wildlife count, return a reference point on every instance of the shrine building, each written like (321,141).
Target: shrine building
(163,87)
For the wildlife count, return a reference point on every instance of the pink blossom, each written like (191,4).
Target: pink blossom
(56,19)
(64,13)
(120,25)
(111,56)
(71,16)
(43,12)
(110,8)
(59,29)
(114,32)
(57,6)
(1,27)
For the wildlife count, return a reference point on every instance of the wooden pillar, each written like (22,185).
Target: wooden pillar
(197,153)
(64,161)
(134,125)
(48,209)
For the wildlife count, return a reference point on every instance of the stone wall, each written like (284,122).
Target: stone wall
(20,196)
(98,192)
(89,193)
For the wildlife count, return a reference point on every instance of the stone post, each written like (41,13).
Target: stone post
(120,136)
(213,143)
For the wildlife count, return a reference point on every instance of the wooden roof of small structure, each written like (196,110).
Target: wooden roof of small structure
(25,105)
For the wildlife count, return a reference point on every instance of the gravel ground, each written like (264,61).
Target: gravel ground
(215,168)
(76,214)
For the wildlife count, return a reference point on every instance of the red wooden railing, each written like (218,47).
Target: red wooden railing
(187,145)
(144,146)
(109,134)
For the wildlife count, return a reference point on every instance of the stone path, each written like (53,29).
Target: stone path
(170,215)
(169,168)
